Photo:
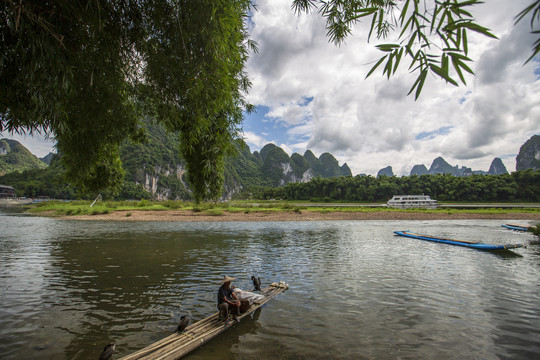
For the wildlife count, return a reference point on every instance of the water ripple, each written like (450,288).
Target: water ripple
(68,288)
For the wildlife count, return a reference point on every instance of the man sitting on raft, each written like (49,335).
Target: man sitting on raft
(227,300)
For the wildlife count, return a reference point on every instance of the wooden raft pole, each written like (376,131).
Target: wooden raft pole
(178,345)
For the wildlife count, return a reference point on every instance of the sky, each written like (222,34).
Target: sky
(312,94)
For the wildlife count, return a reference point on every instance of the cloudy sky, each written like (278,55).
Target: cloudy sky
(311,94)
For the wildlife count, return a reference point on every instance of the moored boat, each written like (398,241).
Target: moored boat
(515,227)
(470,244)
(412,201)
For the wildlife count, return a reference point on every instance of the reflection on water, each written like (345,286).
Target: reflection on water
(68,288)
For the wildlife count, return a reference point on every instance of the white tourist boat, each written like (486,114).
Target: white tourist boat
(412,201)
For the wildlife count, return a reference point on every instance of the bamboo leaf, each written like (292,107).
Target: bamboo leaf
(372,26)
(444,63)
(469,25)
(404,12)
(387,47)
(455,62)
(405,27)
(444,15)
(443,38)
(415,84)
(376,66)
(363,13)
(439,71)
(524,12)
(468,3)
(420,84)
(536,49)
(398,59)
(411,40)
(458,40)
(465,66)
(465,43)
(415,58)
(458,56)
(435,13)
(388,67)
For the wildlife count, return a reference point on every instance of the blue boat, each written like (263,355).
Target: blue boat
(470,244)
(514,227)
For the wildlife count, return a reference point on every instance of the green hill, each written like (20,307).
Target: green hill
(529,154)
(154,169)
(15,157)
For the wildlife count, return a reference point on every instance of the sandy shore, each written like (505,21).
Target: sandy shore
(190,216)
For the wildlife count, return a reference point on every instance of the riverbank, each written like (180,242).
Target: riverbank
(303,215)
(265,211)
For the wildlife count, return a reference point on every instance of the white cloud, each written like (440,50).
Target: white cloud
(371,123)
(253,138)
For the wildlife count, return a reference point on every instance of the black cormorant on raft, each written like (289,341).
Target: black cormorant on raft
(107,352)
(178,345)
(256,283)
(184,322)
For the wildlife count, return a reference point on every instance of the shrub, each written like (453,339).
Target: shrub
(143,203)
(172,204)
(112,204)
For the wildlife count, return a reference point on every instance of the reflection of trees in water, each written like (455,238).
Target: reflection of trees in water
(128,286)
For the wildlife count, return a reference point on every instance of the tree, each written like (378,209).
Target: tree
(432,34)
(87,71)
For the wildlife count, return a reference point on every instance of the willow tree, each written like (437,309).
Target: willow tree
(86,72)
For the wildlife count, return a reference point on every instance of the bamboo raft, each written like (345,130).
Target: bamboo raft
(178,345)
(470,244)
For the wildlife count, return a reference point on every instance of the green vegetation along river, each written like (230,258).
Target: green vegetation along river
(356,291)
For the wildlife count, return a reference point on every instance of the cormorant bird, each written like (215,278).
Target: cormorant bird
(107,352)
(184,322)
(256,283)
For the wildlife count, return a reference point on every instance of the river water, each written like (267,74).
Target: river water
(67,288)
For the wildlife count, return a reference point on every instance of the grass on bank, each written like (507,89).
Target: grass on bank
(70,208)
(82,207)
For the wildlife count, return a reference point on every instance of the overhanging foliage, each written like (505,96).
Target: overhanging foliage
(85,72)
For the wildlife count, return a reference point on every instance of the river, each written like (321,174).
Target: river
(67,288)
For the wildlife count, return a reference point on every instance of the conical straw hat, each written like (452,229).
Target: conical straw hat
(226,279)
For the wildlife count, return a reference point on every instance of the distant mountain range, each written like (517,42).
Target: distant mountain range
(527,158)
(156,168)
(441,166)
